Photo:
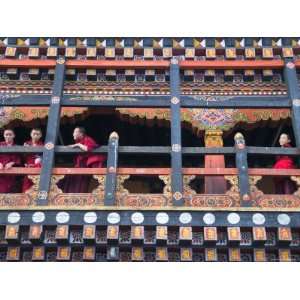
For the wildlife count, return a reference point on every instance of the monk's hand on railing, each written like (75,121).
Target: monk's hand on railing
(1,166)
(78,145)
(29,165)
(72,146)
(38,160)
(9,165)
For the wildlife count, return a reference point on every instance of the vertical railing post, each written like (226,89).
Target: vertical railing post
(242,166)
(53,124)
(176,152)
(111,173)
(290,76)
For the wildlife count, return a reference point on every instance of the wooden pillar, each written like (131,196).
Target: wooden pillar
(214,184)
(52,132)
(176,154)
(290,75)
(111,173)
(242,166)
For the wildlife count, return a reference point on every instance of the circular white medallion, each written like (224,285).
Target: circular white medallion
(233,218)
(113,218)
(209,218)
(38,217)
(283,219)
(62,217)
(162,218)
(13,217)
(185,218)
(90,217)
(258,219)
(137,218)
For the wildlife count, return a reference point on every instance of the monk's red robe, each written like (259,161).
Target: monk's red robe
(284,185)
(31,163)
(7,182)
(80,183)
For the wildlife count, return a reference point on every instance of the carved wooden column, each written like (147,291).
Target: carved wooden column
(214,184)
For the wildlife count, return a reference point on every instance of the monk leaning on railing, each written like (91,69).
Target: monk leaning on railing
(80,183)
(7,161)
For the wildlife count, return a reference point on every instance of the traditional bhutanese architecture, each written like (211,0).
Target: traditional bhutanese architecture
(190,128)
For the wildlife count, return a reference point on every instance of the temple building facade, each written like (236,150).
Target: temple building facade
(150,149)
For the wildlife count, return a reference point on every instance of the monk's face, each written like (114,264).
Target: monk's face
(35,135)
(9,136)
(77,134)
(284,139)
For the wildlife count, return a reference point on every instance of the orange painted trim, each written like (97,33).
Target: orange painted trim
(274,172)
(115,64)
(209,171)
(118,64)
(156,171)
(231,64)
(27,63)
(125,171)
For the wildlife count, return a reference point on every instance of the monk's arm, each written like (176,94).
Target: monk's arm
(81,146)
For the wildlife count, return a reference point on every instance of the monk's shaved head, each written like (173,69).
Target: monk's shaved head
(9,130)
(9,135)
(284,139)
(36,134)
(81,129)
(79,133)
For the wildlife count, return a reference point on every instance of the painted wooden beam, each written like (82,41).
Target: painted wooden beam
(232,64)
(27,63)
(134,150)
(176,154)
(242,166)
(77,217)
(156,171)
(163,64)
(150,101)
(118,64)
(237,102)
(290,76)
(53,124)
(102,64)
(111,174)
(24,100)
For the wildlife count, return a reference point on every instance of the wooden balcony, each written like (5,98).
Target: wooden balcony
(231,199)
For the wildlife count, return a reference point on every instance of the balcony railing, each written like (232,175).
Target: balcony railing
(110,190)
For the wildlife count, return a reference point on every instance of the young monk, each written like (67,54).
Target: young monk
(32,160)
(80,183)
(7,161)
(284,185)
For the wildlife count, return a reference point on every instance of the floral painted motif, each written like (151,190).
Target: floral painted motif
(214,117)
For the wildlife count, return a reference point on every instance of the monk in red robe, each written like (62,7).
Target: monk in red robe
(32,160)
(284,185)
(7,161)
(80,183)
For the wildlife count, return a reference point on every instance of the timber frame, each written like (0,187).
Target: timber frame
(175,101)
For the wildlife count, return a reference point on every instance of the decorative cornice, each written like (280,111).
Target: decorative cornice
(153,47)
